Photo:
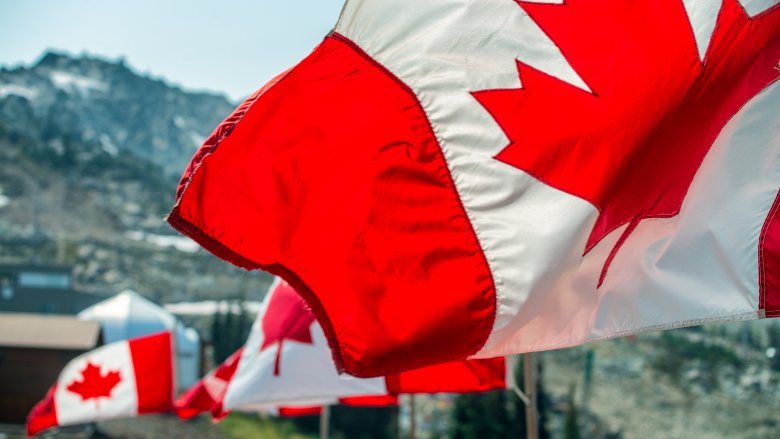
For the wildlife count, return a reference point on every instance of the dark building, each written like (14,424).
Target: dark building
(38,289)
(33,351)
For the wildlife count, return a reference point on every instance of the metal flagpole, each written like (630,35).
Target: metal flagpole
(324,421)
(412,418)
(529,387)
(587,379)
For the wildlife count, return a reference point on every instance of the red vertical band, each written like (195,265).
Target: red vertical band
(769,262)
(153,367)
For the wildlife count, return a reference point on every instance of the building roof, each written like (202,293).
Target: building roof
(128,315)
(47,332)
(14,268)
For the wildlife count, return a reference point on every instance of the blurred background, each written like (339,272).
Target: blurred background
(102,104)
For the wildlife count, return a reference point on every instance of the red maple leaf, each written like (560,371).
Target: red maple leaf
(287,317)
(93,384)
(633,145)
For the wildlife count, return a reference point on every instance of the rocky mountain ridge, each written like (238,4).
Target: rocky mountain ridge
(108,104)
(90,155)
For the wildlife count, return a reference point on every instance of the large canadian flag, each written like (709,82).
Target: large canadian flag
(451,179)
(121,379)
(286,367)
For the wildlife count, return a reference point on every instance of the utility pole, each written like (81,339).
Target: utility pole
(529,387)
(324,421)
(412,418)
(587,380)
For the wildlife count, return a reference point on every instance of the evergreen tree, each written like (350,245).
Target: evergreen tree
(230,329)
(355,422)
(217,335)
(483,416)
(543,401)
(499,414)
(244,323)
(365,422)
(571,429)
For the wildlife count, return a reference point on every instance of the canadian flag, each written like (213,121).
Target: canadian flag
(207,395)
(121,379)
(286,367)
(463,179)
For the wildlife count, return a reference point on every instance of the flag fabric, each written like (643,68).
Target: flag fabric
(286,363)
(456,179)
(121,379)
(207,394)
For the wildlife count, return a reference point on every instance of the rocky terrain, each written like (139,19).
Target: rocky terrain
(90,155)
(717,381)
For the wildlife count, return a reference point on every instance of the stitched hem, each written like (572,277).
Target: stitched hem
(762,277)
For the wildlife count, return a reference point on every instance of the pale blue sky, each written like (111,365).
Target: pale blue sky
(230,46)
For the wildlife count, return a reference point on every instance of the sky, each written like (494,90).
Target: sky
(228,46)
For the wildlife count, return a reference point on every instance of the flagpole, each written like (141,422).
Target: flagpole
(324,421)
(412,418)
(529,387)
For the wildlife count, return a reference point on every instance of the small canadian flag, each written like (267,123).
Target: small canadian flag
(117,380)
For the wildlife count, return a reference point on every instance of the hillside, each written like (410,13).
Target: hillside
(90,154)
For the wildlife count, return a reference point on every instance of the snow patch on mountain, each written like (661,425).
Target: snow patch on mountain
(197,138)
(71,83)
(4,200)
(17,90)
(180,243)
(108,145)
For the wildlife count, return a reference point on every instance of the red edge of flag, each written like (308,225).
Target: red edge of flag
(370,401)
(222,252)
(343,362)
(293,412)
(44,415)
(769,263)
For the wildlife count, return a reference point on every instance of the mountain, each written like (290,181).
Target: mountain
(90,155)
(108,104)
